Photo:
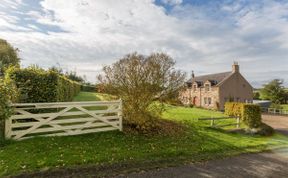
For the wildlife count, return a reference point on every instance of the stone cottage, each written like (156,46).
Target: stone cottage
(212,91)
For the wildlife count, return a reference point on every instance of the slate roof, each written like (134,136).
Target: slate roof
(213,78)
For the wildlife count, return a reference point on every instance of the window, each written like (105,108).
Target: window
(205,100)
(207,87)
(209,101)
(194,87)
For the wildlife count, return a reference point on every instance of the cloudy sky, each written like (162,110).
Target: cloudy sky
(201,35)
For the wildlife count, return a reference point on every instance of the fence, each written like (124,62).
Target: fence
(275,111)
(63,118)
(214,124)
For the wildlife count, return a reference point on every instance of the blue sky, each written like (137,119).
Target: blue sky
(201,35)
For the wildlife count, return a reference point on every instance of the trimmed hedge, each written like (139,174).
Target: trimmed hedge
(233,109)
(251,115)
(38,85)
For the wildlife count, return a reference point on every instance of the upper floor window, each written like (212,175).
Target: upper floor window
(207,87)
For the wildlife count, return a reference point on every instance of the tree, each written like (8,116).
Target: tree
(256,95)
(72,75)
(139,81)
(8,56)
(274,91)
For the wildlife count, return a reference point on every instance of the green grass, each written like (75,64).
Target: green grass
(87,96)
(195,144)
(285,106)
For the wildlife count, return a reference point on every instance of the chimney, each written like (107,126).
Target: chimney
(192,75)
(235,67)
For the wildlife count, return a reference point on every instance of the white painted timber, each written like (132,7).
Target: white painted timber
(72,118)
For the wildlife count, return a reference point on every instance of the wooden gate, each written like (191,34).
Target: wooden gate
(63,118)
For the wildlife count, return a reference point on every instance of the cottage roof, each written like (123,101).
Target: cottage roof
(213,78)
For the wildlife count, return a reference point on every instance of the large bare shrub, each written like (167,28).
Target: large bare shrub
(140,81)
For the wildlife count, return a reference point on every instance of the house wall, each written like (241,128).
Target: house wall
(235,88)
(189,96)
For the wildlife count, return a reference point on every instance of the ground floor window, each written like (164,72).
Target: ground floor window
(207,100)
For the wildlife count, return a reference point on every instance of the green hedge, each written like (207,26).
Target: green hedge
(251,115)
(8,93)
(233,109)
(38,85)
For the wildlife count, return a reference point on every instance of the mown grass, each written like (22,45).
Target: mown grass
(285,106)
(197,143)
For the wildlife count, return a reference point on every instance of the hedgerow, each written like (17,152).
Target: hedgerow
(8,94)
(251,115)
(38,85)
(233,109)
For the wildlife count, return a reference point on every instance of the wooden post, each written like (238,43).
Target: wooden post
(212,122)
(8,124)
(238,122)
(120,116)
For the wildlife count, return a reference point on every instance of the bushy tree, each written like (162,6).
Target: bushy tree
(8,56)
(274,91)
(139,81)
(256,95)
(72,75)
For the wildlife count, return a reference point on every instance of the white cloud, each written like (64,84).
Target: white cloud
(87,34)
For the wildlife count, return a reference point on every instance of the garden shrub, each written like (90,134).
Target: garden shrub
(233,109)
(8,93)
(251,115)
(37,85)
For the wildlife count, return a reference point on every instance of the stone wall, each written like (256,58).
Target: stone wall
(197,97)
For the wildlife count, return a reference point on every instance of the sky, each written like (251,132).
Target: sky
(205,36)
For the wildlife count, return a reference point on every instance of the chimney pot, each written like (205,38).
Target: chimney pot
(235,67)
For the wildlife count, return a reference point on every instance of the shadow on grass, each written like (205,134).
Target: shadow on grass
(102,153)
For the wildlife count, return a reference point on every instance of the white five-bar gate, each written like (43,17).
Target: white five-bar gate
(63,118)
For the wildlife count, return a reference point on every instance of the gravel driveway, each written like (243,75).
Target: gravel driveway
(279,123)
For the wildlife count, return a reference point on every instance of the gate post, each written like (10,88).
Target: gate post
(8,124)
(238,122)
(120,116)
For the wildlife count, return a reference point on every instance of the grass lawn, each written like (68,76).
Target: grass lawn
(196,144)
(285,106)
